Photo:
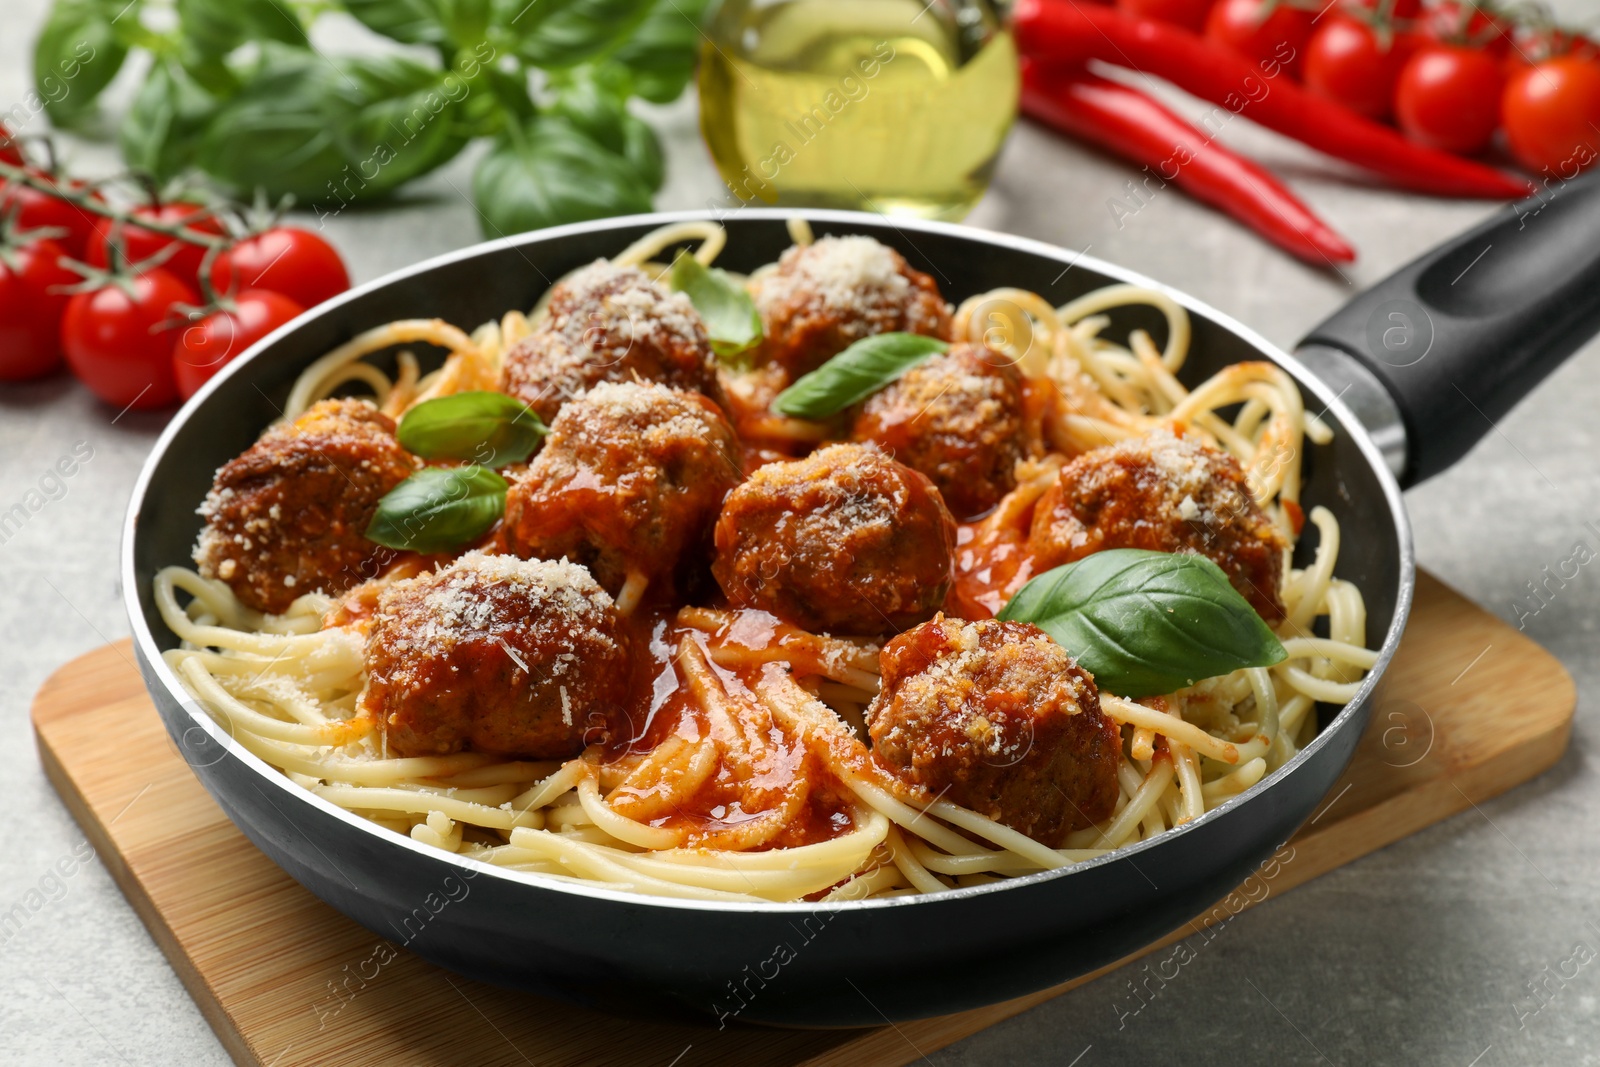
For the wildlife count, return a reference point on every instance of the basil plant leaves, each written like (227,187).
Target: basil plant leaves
(242,92)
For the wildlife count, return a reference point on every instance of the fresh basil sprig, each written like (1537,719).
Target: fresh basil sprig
(1147,623)
(439,508)
(855,374)
(731,318)
(489,428)
(236,89)
(550,173)
(76,55)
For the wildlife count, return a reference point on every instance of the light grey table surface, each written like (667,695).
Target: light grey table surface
(1420,954)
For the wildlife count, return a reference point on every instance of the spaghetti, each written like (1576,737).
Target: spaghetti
(751,700)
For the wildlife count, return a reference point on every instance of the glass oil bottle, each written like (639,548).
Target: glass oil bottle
(891,106)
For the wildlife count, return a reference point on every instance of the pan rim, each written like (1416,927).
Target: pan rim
(134,598)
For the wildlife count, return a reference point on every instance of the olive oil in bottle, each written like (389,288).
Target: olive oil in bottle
(895,106)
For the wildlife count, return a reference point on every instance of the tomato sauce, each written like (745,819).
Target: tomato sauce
(662,706)
(992,563)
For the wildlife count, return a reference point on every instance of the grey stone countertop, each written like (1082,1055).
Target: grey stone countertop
(1423,953)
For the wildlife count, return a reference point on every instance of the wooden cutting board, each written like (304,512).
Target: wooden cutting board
(287,981)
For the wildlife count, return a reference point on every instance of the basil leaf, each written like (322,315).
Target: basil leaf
(498,100)
(594,101)
(277,132)
(403,121)
(730,315)
(1147,623)
(439,508)
(211,73)
(578,31)
(406,21)
(642,148)
(550,174)
(855,374)
(467,21)
(162,131)
(661,53)
(77,53)
(440,23)
(330,133)
(488,428)
(213,28)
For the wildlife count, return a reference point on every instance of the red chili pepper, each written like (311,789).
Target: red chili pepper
(1063,32)
(1124,120)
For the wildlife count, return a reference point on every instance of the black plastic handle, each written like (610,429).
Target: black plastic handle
(1463,333)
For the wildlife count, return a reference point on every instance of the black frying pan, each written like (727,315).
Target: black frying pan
(1527,303)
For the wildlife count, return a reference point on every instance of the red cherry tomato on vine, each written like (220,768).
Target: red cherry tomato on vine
(1402,9)
(1448,97)
(211,344)
(296,263)
(118,339)
(1552,115)
(31,308)
(1190,14)
(1348,63)
(1246,27)
(8,150)
(1536,44)
(1461,22)
(37,209)
(139,243)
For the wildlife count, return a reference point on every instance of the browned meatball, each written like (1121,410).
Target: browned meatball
(496,654)
(997,717)
(825,296)
(630,480)
(959,419)
(288,517)
(608,323)
(1166,493)
(845,540)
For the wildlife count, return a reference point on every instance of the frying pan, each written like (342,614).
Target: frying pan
(1424,359)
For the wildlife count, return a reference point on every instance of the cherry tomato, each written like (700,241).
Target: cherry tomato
(37,209)
(1552,115)
(1462,22)
(1405,10)
(1348,63)
(1535,44)
(9,153)
(139,243)
(1448,97)
(31,308)
(296,263)
(1244,27)
(118,339)
(211,344)
(1190,14)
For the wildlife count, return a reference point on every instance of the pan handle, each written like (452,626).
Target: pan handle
(1460,335)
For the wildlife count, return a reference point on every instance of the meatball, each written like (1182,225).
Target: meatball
(999,718)
(608,323)
(959,419)
(629,481)
(496,654)
(289,516)
(1168,493)
(845,540)
(824,296)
